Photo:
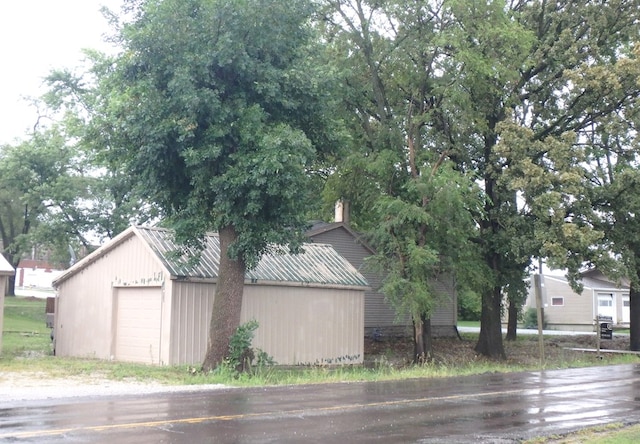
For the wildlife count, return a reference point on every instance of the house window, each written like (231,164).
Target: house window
(626,303)
(557,302)
(605,302)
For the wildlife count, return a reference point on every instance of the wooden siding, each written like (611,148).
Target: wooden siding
(379,314)
(446,313)
(84,321)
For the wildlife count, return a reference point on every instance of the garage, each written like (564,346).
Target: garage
(135,300)
(138,324)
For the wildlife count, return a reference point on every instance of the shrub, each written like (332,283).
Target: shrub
(469,306)
(531,318)
(242,357)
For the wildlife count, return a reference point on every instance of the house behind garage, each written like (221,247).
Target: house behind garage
(135,300)
(379,316)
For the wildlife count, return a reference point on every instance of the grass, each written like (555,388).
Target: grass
(616,433)
(24,329)
(469,324)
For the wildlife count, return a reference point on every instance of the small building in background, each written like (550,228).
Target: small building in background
(6,270)
(564,309)
(35,278)
(135,299)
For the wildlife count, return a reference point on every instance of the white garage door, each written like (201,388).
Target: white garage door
(138,322)
(606,306)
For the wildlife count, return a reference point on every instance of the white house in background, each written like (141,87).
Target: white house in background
(35,277)
(564,309)
(6,270)
(135,299)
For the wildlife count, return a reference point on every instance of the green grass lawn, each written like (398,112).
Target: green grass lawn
(469,324)
(24,328)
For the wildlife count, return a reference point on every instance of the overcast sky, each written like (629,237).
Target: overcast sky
(37,36)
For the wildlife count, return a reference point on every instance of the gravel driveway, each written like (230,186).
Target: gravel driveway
(29,386)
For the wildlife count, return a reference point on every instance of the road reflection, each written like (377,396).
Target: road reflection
(511,406)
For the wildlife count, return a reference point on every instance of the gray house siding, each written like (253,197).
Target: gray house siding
(379,315)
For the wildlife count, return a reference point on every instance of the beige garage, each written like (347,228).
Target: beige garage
(134,300)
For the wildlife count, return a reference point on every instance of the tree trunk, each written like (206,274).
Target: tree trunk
(490,338)
(11,286)
(225,316)
(512,321)
(10,289)
(634,317)
(422,340)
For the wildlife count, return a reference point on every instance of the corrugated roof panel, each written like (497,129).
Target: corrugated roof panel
(316,264)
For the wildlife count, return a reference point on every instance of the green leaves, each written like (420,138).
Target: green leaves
(221,110)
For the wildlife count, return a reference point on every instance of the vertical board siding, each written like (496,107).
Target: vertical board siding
(84,311)
(310,324)
(297,325)
(307,325)
(192,304)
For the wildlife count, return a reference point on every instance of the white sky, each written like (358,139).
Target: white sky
(35,37)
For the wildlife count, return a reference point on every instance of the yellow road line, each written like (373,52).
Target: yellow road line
(199,420)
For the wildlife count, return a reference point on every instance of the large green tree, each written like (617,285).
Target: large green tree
(493,86)
(612,162)
(77,106)
(219,107)
(398,176)
(45,196)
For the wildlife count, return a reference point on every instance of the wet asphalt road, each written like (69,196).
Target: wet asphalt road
(492,408)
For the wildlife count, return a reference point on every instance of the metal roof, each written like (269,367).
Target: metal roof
(316,264)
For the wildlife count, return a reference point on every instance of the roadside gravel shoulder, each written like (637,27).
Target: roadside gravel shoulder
(28,386)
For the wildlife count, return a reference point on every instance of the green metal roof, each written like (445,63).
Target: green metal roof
(317,264)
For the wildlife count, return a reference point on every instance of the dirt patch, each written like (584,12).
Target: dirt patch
(524,351)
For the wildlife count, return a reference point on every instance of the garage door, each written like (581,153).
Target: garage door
(139,314)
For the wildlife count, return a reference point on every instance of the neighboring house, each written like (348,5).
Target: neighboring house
(35,277)
(379,316)
(6,270)
(134,299)
(565,309)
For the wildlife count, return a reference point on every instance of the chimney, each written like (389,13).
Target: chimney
(342,211)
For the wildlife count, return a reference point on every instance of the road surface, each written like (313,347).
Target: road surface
(491,408)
